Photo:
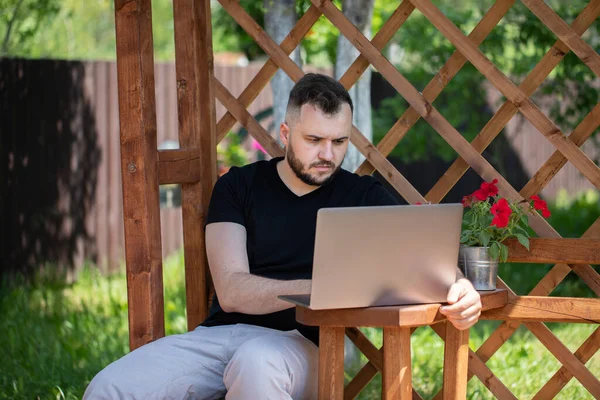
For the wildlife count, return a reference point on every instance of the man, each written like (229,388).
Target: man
(259,239)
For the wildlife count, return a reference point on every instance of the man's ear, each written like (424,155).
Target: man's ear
(284,133)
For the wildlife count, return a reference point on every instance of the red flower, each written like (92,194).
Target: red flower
(487,189)
(501,211)
(541,205)
(418,203)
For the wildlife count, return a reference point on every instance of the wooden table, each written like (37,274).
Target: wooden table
(394,359)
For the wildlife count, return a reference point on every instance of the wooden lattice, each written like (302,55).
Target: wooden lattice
(143,167)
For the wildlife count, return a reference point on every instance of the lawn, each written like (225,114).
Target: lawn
(55,337)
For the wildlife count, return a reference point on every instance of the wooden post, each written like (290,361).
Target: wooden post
(456,363)
(197,130)
(141,209)
(397,373)
(331,363)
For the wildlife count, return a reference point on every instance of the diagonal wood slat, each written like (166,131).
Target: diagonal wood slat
(247,120)
(387,31)
(568,359)
(584,353)
(531,82)
(438,83)
(268,70)
(283,61)
(560,28)
(526,106)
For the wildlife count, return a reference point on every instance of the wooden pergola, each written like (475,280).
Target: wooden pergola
(193,166)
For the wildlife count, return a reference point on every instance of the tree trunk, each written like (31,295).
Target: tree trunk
(360,13)
(280,18)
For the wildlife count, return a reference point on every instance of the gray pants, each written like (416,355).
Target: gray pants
(234,361)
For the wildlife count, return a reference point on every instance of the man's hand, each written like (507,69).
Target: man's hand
(464,305)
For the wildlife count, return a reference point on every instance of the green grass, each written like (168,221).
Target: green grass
(55,337)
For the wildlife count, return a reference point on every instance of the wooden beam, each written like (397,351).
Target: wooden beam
(478,368)
(406,316)
(397,370)
(197,130)
(331,363)
(139,171)
(569,251)
(456,363)
(178,166)
(547,309)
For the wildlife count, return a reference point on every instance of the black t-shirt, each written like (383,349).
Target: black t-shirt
(280,228)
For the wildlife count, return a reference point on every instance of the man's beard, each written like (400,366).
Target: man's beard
(310,179)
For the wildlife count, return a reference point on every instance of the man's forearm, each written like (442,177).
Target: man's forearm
(252,294)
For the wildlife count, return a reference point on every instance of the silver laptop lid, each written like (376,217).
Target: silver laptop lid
(387,255)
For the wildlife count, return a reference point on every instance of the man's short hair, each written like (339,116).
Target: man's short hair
(321,91)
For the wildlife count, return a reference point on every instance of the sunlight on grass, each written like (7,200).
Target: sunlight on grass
(57,336)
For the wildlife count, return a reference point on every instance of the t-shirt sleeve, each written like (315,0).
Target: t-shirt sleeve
(226,202)
(379,196)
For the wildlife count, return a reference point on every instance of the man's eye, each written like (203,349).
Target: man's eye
(314,140)
(339,141)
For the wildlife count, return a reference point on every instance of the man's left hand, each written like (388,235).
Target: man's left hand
(464,305)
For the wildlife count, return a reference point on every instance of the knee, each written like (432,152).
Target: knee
(274,364)
(256,357)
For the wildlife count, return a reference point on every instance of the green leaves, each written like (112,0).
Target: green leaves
(484,238)
(524,240)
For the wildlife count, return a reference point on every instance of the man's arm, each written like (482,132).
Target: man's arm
(237,289)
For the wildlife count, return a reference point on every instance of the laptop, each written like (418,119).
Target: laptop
(382,256)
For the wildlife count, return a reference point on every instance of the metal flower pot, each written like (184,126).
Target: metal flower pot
(477,266)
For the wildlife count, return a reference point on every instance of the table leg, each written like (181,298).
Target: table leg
(456,363)
(331,363)
(397,374)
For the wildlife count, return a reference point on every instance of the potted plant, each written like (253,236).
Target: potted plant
(487,222)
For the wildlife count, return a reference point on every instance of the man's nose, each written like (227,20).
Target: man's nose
(326,152)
